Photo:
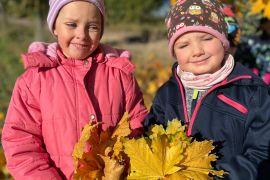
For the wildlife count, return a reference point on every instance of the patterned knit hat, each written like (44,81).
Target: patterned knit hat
(196,15)
(56,5)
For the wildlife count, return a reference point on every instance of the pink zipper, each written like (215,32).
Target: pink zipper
(183,98)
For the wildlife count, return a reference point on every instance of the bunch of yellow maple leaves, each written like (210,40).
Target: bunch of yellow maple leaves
(164,154)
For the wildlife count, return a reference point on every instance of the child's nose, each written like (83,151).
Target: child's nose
(82,33)
(197,50)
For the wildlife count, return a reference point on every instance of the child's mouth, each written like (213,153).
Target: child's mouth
(81,46)
(200,61)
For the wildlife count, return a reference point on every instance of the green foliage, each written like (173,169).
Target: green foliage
(249,22)
(12,43)
(25,8)
(119,11)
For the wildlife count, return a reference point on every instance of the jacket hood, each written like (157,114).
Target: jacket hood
(37,59)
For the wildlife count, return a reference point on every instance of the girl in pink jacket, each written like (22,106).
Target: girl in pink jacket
(55,97)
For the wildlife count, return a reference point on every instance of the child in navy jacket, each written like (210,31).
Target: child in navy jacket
(217,98)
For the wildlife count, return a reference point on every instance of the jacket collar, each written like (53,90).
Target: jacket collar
(97,57)
(238,71)
(116,58)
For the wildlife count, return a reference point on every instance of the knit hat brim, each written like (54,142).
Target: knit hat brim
(205,29)
(57,5)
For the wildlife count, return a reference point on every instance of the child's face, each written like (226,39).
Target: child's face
(199,53)
(78,29)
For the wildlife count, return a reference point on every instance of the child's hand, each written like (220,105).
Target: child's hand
(47,48)
(113,169)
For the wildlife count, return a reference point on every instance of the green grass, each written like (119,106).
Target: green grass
(13,41)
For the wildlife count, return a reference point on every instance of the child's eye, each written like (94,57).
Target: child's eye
(71,25)
(93,28)
(208,38)
(182,46)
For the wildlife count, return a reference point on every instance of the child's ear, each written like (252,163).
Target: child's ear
(55,32)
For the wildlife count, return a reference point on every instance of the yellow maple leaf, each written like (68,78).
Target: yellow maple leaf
(122,129)
(118,147)
(155,131)
(152,161)
(176,132)
(169,155)
(197,154)
(198,159)
(88,170)
(188,175)
(93,162)
(181,159)
(174,126)
(87,165)
(78,151)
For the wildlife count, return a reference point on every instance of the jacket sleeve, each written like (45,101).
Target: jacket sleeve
(254,161)
(22,137)
(135,104)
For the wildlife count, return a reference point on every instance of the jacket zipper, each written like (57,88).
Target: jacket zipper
(194,101)
(190,123)
(76,101)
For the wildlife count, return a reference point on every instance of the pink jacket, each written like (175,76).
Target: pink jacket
(54,99)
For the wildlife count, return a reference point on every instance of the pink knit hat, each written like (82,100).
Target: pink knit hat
(56,5)
(196,15)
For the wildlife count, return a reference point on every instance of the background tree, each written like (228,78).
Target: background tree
(135,11)
(33,9)
(3,18)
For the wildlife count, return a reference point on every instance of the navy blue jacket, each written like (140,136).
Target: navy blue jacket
(234,113)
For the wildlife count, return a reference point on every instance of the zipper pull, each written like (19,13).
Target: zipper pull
(195,94)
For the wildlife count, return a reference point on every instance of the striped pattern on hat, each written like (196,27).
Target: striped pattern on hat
(56,5)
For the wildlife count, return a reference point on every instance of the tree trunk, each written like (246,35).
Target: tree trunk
(38,21)
(38,29)
(3,18)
